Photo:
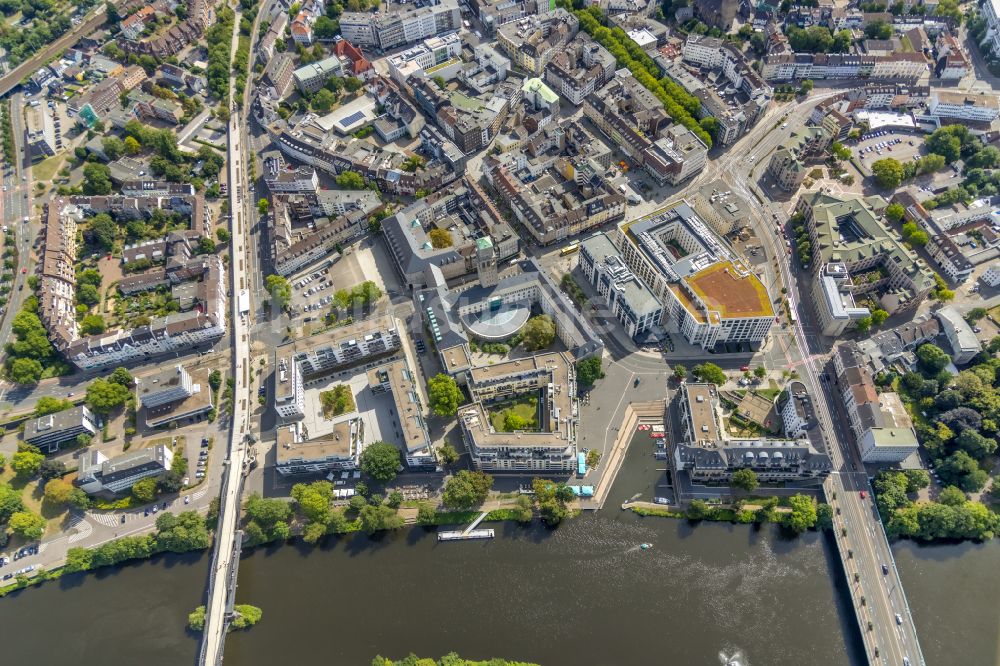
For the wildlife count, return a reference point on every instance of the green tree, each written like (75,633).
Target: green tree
(440,238)
(975,314)
(10,502)
(803,514)
(144,490)
(447,455)
(58,491)
(745,479)
(350,180)
(313,500)
(697,510)
(27,525)
(879,316)
(103,396)
(113,147)
(380,461)
(27,462)
(840,151)
(824,516)
(426,515)
(951,496)
(878,30)
(588,371)
(52,469)
(24,371)
(760,372)
(553,512)
(262,206)
(960,469)
(267,512)
(444,395)
(377,518)
(323,101)
(680,372)
(79,559)
(131,146)
(539,333)
(467,490)
(96,178)
(975,444)
(103,229)
(280,290)
(932,358)
(916,479)
(196,619)
(709,373)
(92,324)
(50,405)
(888,173)
(895,212)
(122,377)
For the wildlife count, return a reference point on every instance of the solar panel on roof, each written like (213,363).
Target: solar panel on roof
(351,119)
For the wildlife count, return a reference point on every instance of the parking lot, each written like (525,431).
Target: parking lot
(313,288)
(880,144)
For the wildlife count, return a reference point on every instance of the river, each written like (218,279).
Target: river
(582,594)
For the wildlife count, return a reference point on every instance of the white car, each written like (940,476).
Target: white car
(187,499)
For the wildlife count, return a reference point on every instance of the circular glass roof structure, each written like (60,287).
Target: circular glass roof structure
(497,323)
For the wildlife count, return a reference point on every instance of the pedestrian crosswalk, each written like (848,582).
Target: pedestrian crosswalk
(82,529)
(106,519)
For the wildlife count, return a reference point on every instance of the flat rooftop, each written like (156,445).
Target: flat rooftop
(337,443)
(198,402)
(701,404)
(734,295)
(409,412)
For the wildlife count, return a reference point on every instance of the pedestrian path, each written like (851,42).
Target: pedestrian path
(81,529)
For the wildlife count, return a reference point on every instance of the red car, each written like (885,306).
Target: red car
(24,271)
(863,494)
(745,368)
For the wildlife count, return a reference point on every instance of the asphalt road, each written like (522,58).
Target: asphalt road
(878,598)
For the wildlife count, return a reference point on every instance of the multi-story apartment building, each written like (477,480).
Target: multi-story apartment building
(281,178)
(745,97)
(205,322)
(950,106)
(304,360)
(432,52)
(389,30)
(309,143)
(791,161)
(280,73)
(881,426)
(579,69)
(706,453)
(631,301)
(548,449)
(708,295)
(569,199)
(99,473)
(791,66)
(533,41)
(338,450)
(849,231)
(413,437)
(310,78)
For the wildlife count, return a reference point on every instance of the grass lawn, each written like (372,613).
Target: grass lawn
(45,170)
(524,408)
(769,393)
(31,496)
